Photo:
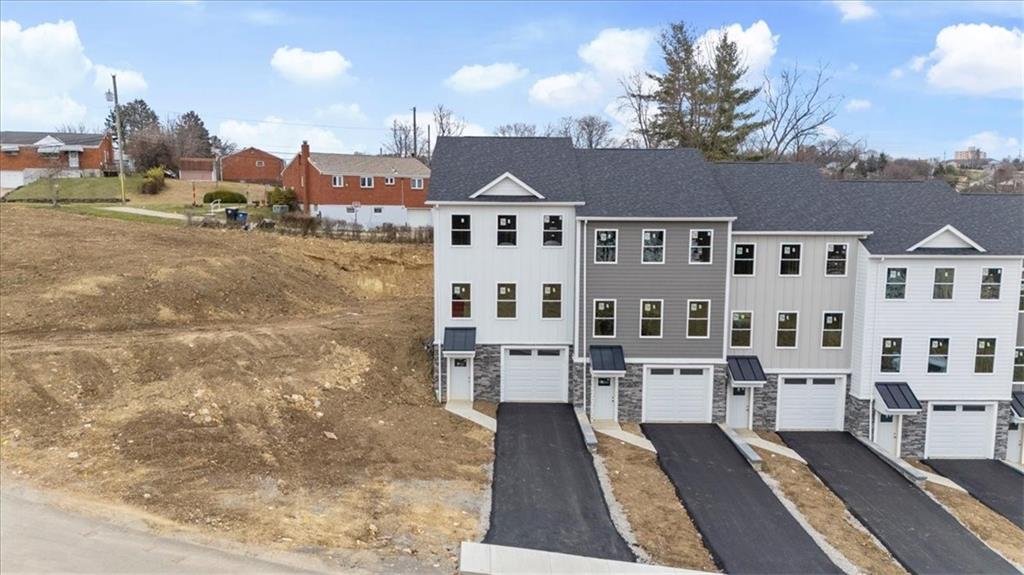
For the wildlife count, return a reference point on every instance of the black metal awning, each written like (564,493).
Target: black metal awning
(746,371)
(459,340)
(1017,403)
(897,396)
(607,360)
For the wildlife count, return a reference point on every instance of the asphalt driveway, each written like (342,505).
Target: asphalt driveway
(743,523)
(919,533)
(546,492)
(989,481)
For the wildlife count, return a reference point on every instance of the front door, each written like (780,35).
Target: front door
(885,433)
(604,399)
(1015,443)
(739,407)
(459,388)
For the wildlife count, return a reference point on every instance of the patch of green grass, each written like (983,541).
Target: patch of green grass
(92,188)
(98,211)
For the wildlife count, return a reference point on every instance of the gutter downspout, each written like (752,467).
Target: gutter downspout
(583,264)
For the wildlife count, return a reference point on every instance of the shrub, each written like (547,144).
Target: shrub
(283,196)
(225,197)
(152,181)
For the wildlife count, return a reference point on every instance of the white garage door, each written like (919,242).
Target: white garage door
(535,375)
(11,179)
(960,431)
(810,403)
(677,395)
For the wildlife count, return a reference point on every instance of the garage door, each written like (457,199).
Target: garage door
(810,403)
(960,431)
(535,375)
(11,179)
(677,395)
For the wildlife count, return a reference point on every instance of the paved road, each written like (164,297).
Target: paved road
(989,481)
(746,527)
(151,213)
(38,538)
(921,535)
(546,492)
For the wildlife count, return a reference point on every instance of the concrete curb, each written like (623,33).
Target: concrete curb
(743,447)
(1013,466)
(589,437)
(484,559)
(913,475)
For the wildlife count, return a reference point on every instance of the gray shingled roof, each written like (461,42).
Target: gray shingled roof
(650,183)
(366,165)
(30,138)
(464,165)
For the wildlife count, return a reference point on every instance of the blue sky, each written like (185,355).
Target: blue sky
(917,79)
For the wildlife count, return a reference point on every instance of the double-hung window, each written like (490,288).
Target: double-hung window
(789,259)
(943,286)
(462,234)
(507,301)
(416,183)
(832,330)
(606,243)
(991,281)
(506,231)
(895,283)
(653,247)
(337,181)
(743,260)
(835,259)
(461,301)
(700,246)
(985,355)
(698,318)
(552,231)
(604,318)
(938,355)
(742,329)
(785,329)
(551,301)
(1018,365)
(892,354)
(650,317)
(365,181)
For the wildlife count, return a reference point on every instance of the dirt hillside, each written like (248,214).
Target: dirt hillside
(275,390)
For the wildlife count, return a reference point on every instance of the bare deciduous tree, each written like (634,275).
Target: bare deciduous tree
(446,123)
(401,140)
(69,128)
(795,108)
(637,101)
(836,155)
(516,130)
(585,132)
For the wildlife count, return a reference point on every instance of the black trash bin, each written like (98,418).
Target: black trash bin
(231,214)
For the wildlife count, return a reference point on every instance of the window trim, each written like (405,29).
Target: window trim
(882,354)
(643,246)
(846,259)
(451,300)
(616,231)
(498,300)
(389,181)
(413,186)
(841,330)
(885,283)
(261,163)
(614,318)
(452,230)
(561,232)
(952,295)
(661,319)
(753,260)
(928,356)
(337,181)
(544,301)
(1017,349)
(732,328)
(498,231)
(796,328)
(799,261)
(707,319)
(711,247)
(1020,303)
(995,346)
(363,185)
(981,286)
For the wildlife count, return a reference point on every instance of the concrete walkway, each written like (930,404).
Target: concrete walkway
(484,559)
(145,212)
(464,409)
(612,429)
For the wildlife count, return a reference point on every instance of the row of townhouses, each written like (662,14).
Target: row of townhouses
(654,286)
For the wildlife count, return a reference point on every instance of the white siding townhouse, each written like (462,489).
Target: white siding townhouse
(650,285)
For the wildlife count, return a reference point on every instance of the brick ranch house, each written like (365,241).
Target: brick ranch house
(197,169)
(28,156)
(363,189)
(252,166)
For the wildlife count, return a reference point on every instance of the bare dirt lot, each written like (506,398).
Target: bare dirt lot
(269,389)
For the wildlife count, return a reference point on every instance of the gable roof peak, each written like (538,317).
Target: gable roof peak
(947,237)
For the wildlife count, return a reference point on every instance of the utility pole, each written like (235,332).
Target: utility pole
(415,142)
(120,140)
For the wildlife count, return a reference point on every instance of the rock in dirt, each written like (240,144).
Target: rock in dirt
(330,435)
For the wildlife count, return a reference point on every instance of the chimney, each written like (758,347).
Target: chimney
(305,150)
(304,163)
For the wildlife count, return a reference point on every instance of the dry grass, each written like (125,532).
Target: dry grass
(659,521)
(488,408)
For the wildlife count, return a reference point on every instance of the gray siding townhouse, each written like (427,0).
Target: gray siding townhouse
(650,285)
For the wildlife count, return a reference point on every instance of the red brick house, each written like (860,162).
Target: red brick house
(363,189)
(28,156)
(197,169)
(252,165)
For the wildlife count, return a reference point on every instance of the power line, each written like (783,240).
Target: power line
(305,124)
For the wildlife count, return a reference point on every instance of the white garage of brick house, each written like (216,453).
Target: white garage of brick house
(677,394)
(813,402)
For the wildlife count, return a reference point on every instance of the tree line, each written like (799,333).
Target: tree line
(152,143)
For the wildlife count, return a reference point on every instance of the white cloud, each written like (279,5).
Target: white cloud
(266,17)
(756,44)
(480,78)
(304,67)
(616,52)
(992,143)
(976,59)
(129,82)
(854,9)
(857,105)
(896,73)
(828,132)
(565,90)
(280,137)
(917,63)
(342,112)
